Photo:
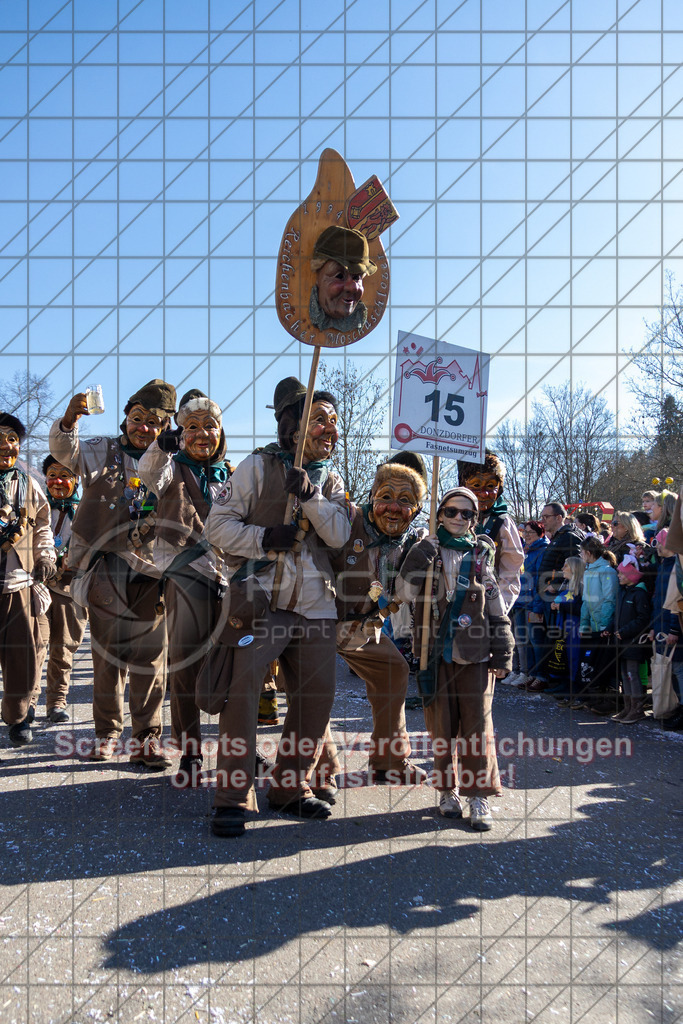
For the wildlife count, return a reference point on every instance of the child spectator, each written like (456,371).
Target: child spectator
(600,585)
(631,620)
(567,605)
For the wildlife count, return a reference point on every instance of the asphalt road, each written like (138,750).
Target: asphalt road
(119,905)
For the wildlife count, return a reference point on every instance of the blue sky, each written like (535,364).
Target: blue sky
(151,153)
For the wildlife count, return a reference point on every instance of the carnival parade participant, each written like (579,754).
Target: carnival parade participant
(186,469)
(366,570)
(27,562)
(246,522)
(111,549)
(487,482)
(67,619)
(470,644)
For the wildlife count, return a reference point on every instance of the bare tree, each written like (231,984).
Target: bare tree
(580,431)
(659,364)
(29,397)
(530,472)
(361,405)
(565,451)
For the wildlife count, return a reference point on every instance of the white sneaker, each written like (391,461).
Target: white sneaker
(450,805)
(481,819)
(511,679)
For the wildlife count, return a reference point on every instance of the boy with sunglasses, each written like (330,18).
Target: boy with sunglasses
(470,645)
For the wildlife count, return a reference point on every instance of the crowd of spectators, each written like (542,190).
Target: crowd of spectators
(598,600)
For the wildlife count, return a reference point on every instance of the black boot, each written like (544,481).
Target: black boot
(20,735)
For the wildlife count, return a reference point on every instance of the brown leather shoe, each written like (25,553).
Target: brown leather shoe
(538,686)
(150,756)
(102,749)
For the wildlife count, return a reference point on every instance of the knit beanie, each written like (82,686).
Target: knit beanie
(629,568)
(459,492)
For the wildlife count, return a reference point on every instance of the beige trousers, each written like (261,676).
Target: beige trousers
(460,724)
(126,633)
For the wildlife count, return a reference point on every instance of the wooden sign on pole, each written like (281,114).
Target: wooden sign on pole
(333,201)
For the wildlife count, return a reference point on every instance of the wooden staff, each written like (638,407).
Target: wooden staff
(298,463)
(424,646)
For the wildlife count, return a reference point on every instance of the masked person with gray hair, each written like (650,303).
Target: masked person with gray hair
(470,644)
(186,469)
(382,533)
(27,562)
(246,523)
(111,548)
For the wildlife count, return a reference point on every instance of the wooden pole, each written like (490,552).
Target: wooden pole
(298,462)
(424,645)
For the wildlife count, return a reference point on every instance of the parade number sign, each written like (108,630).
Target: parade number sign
(440,397)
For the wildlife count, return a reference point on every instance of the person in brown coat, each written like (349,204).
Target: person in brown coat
(116,579)
(246,523)
(66,619)
(382,532)
(27,562)
(187,469)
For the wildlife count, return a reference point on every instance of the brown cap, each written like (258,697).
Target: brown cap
(288,392)
(347,247)
(156,396)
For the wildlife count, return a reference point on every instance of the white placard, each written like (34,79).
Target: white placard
(440,399)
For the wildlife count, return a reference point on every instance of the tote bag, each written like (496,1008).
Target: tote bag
(664,699)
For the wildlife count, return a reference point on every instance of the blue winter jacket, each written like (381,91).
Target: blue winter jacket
(600,586)
(529,599)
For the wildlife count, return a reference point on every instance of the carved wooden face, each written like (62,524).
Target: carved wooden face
(322,435)
(201,435)
(486,487)
(60,481)
(339,292)
(9,447)
(394,506)
(143,427)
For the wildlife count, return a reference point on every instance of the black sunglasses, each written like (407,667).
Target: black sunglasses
(465,513)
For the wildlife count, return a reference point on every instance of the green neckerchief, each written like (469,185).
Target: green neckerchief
(213,472)
(447,540)
(318,472)
(390,549)
(67,505)
(499,508)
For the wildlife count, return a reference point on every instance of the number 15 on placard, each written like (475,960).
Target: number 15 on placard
(454,404)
